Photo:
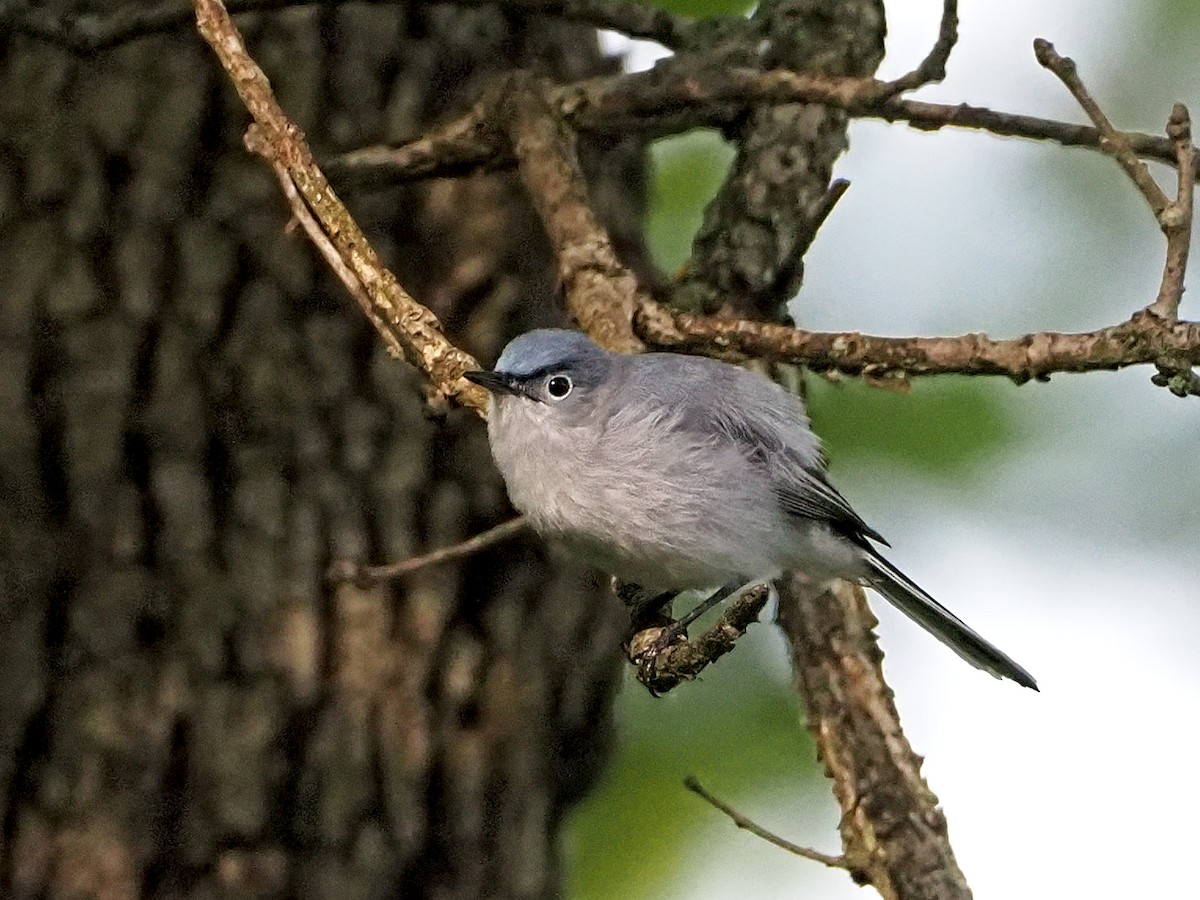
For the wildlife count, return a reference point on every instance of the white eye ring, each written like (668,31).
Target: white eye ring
(558,386)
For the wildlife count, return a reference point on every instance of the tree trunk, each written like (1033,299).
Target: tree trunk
(198,422)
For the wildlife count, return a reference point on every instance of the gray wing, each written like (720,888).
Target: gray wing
(767,424)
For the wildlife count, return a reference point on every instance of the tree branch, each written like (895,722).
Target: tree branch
(834,862)
(464,146)
(580,242)
(793,266)
(1176,220)
(935,116)
(746,257)
(364,576)
(1111,141)
(303,216)
(933,66)
(659,105)
(661,668)
(402,321)
(1142,340)
(470,143)
(601,293)
(1173,217)
(892,829)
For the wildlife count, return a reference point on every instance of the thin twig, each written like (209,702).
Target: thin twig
(413,327)
(304,217)
(933,66)
(663,667)
(834,862)
(1173,217)
(367,575)
(789,273)
(828,201)
(933,116)
(470,143)
(1111,140)
(1176,220)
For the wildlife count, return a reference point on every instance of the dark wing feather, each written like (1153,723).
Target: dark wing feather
(809,495)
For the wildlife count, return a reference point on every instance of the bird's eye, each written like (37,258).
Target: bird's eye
(558,386)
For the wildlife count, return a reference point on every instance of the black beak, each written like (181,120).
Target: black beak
(496,382)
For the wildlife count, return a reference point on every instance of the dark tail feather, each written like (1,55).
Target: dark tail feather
(941,623)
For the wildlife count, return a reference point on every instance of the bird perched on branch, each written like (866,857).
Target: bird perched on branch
(679,472)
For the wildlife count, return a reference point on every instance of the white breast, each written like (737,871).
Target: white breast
(648,510)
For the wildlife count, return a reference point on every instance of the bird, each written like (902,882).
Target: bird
(677,472)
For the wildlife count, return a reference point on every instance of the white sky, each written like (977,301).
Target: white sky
(1087,570)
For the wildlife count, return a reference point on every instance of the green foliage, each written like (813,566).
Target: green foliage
(944,426)
(687,172)
(737,729)
(703,9)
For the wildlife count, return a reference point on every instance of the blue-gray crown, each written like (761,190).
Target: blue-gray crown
(545,350)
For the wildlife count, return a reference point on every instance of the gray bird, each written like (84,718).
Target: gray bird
(679,472)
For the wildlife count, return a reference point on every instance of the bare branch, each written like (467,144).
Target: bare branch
(934,116)
(834,862)
(933,67)
(458,147)
(1142,340)
(1111,140)
(829,200)
(1176,220)
(466,146)
(302,215)
(470,143)
(617,99)
(601,293)
(788,273)
(892,829)
(399,317)
(1173,217)
(368,575)
(662,668)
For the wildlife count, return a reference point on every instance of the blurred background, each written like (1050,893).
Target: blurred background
(1058,519)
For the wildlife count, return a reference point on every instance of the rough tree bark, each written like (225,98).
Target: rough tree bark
(197,422)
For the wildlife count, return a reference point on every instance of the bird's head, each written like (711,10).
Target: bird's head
(560,370)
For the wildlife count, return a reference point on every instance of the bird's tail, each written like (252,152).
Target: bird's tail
(941,623)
